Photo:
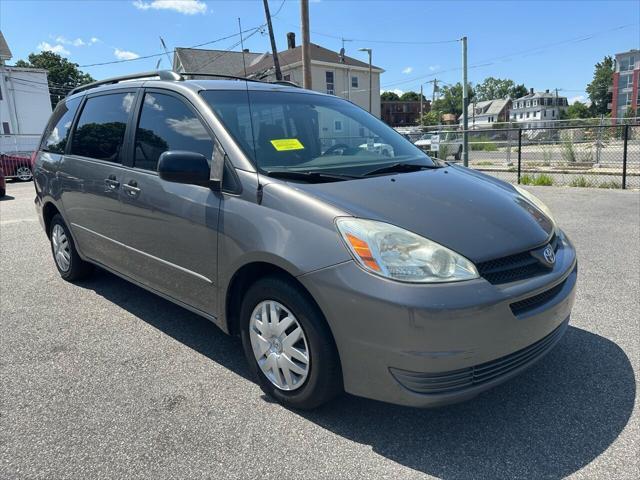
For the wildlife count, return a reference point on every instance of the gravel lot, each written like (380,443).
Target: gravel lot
(104,380)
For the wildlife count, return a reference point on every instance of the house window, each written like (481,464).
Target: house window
(354,82)
(521,115)
(535,103)
(0,92)
(544,112)
(5,128)
(330,84)
(527,114)
(528,103)
(553,113)
(287,78)
(337,125)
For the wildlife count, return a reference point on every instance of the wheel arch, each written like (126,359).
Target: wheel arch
(49,210)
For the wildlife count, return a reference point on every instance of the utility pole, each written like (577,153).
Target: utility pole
(465,105)
(368,50)
(244,63)
(276,63)
(435,89)
(306,50)
(421,105)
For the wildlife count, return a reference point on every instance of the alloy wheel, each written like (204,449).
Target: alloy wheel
(61,248)
(279,345)
(24,173)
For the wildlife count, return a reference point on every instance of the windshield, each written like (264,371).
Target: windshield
(301,132)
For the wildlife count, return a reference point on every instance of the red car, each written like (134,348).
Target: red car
(17,165)
(3,185)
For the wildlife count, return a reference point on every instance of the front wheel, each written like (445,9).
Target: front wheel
(288,344)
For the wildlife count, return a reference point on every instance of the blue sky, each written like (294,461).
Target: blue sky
(544,44)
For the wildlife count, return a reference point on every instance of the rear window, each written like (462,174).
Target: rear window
(57,132)
(101,127)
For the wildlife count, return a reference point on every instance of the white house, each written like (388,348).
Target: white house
(484,114)
(331,72)
(25,105)
(538,109)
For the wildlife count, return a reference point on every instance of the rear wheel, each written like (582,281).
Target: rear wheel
(288,344)
(69,264)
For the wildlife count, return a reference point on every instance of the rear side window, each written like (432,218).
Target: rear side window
(167,123)
(57,133)
(101,127)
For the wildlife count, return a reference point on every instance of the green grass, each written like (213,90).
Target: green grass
(527,179)
(580,182)
(485,163)
(544,180)
(483,143)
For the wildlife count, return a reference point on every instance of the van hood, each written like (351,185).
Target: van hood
(473,214)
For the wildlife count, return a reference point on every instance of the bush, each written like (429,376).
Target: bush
(527,179)
(580,182)
(543,179)
(482,143)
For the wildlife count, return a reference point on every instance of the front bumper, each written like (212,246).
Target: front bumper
(428,345)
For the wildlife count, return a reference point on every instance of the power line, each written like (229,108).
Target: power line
(493,60)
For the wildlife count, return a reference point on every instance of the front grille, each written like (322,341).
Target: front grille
(447,382)
(531,303)
(514,267)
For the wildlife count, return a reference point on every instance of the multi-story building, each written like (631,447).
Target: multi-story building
(331,72)
(399,113)
(538,109)
(25,105)
(484,114)
(626,76)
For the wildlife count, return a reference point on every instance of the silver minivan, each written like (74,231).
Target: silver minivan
(273,212)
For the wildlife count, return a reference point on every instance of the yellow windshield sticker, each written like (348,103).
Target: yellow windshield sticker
(284,144)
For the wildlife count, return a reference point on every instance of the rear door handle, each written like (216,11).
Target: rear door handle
(111,183)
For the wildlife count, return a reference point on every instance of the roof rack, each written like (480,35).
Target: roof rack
(171,75)
(163,74)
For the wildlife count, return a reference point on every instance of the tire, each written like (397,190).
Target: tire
(323,379)
(3,192)
(23,173)
(65,256)
(458,155)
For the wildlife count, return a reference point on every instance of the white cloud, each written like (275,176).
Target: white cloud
(125,54)
(577,98)
(433,68)
(407,70)
(93,40)
(77,42)
(187,7)
(397,91)
(189,127)
(58,48)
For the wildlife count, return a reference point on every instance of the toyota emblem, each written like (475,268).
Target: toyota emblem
(549,255)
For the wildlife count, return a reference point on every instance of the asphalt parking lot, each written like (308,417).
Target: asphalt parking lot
(105,380)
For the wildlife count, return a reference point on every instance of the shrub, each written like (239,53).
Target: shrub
(543,179)
(580,182)
(527,179)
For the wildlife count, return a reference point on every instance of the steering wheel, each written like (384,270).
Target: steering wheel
(337,146)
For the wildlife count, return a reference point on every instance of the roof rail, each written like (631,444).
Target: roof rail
(163,74)
(217,75)
(286,82)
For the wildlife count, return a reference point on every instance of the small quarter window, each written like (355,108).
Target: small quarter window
(57,131)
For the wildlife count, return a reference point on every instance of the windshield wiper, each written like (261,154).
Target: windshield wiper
(313,177)
(400,167)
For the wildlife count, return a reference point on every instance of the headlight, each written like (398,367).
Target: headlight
(395,253)
(536,202)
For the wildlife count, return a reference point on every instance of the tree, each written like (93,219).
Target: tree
(389,96)
(430,118)
(577,110)
(411,97)
(493,88)
(598,89)
(63,75)
(450,100)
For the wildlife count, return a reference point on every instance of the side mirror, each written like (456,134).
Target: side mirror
(184,167)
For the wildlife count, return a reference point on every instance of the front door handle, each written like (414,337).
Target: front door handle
(132,188)
(111,183)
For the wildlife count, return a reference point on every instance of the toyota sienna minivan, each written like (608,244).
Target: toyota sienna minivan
(275,213)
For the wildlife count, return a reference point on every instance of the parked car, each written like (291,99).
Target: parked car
(394,277)
(18,166)
(449,144)
(3,184)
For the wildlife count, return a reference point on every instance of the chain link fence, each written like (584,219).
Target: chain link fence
(577,153)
